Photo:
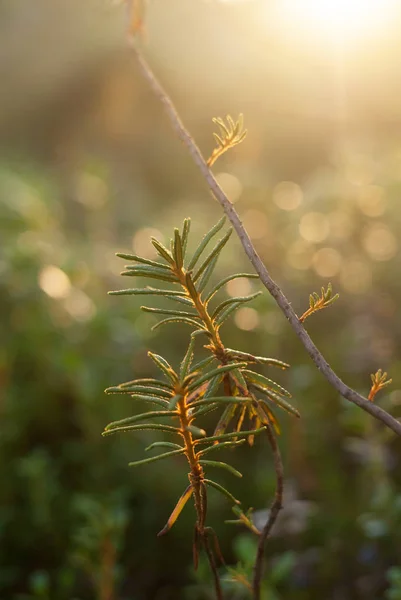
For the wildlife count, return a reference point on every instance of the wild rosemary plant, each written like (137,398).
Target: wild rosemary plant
(222,380)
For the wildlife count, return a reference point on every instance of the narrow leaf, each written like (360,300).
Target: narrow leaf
(220,400)
(203,363)
(204,280)
(196,431)
(148,291)
(221,465)
(177,511)
(181,299)
(147,380)
(256,359)
(151,272)
(218,371)
(141,417)
(206,239)
(215,252)
(222,490)
(162,250)
(240,299)
(164,366)
(168,311)
(151,459)
(238,379)
(164,445)
(187,360)
(144,426)
(185,320)
(223,282)
(178,253)
(185,233)
(228,436)
(278,400)
(144,261)
(173,401)
(265,382)
(224,420)
(226,313)
(220,446)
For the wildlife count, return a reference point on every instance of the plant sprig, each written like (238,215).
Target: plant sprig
(222,381)
(379,381)
(317,302)
(230,134)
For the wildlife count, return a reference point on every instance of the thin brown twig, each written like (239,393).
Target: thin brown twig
(273,513)
(213,567)
(253,256)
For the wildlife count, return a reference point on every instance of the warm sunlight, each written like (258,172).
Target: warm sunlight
(341,21)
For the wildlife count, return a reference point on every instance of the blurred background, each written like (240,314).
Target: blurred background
(89,165)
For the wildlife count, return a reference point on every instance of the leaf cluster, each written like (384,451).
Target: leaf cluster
(223,381)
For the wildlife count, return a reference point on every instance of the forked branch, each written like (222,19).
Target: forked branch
(253,256)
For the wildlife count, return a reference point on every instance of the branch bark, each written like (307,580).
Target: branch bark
(273,514)
(317,357)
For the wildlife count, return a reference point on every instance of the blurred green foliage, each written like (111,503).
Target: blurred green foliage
(321,202)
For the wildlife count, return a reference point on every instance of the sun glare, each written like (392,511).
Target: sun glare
(339,21)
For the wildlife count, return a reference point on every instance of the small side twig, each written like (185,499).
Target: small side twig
(260,268)
(273,514)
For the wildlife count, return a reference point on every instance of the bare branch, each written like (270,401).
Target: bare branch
(253,256)
(273,514)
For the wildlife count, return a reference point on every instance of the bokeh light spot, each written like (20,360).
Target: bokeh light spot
(246,318)
(355,276)
(314,227)
(341,225)
(91,191)
(380,243)
(372,201)
(239,287)
(327,262)
(287,195)
(79,305)
(54,282)
(300,255)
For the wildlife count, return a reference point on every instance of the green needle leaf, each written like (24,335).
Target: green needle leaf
(144,426)
(172,312)
(185,320)
(185,233)
(218,371)
(223,282)
(162,250)
(265,382)
(240,299)
(141,417)
(178,251)
(206,239)
(222,490)
(144,261)
(149,291)
(164,366)
(187,360)
(220,400)
(221,465)
(151,272)
(220,446)
(215,252)
(164,445)
(155,458)
(228,436)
